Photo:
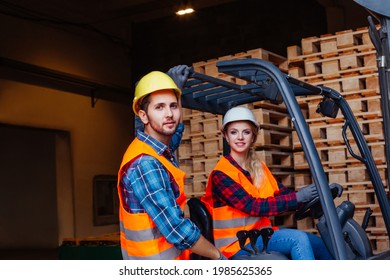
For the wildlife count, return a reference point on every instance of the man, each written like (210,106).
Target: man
(150,184)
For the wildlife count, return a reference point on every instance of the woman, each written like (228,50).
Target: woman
(242,193)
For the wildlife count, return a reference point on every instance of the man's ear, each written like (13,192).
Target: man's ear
(143,116)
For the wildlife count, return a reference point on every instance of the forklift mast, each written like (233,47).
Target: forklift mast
(381,41)
(266,82)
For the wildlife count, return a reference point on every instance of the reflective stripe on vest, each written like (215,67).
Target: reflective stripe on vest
(227,221)
(140,238)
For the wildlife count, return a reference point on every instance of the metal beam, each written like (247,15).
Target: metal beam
(32,74)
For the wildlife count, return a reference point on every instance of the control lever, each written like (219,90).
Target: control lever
(367,216)
(242,236)
(266,234)
(253,236)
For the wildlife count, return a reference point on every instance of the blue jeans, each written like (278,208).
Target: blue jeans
(295,244)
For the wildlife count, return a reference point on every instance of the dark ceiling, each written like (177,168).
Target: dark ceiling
(111,16)
(107,10)
(156,38)
(114,19)
(101,14)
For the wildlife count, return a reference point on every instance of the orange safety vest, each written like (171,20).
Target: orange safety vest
(140,238)
(227,220)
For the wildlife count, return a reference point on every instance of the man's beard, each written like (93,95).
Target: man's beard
(161,130)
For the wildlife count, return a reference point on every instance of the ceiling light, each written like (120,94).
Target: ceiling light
(185,11)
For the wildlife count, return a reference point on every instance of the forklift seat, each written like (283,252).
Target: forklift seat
(202,219)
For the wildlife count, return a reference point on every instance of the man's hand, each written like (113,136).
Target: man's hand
(179,74)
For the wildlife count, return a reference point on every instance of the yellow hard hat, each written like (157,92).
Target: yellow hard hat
(152,82)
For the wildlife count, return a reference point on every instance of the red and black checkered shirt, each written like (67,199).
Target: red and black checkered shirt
(228,192)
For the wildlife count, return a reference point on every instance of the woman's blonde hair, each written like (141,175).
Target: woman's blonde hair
(254,167)
(253,162)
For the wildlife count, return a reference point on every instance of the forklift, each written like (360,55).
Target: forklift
(344,237)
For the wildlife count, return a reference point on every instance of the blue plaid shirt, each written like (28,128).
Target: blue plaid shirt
(147,187)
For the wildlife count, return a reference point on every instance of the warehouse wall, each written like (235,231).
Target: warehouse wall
(97,137)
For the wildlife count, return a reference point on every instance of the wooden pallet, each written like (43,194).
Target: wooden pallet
(274,139)
(338,155)
(335,66)
(380,243)
(205,124)
(330,44)
(185,150)
(276,159)
(353,175)
(207,147)
(272,119)
(187,166)
(209,67)
(284,177)
(195,186)
(201,165)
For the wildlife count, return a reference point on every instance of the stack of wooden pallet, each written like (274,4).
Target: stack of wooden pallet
(202,144)
(274,142)
(346,62)
(275,147)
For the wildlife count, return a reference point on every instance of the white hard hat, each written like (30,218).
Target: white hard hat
(239,114)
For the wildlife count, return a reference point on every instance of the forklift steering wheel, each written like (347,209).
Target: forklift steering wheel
(306,209)
(312,208)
